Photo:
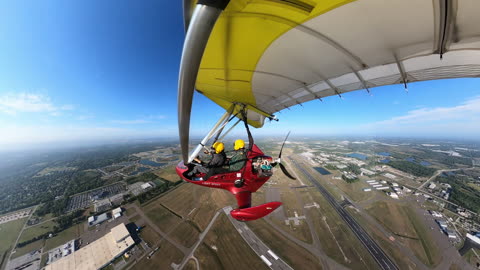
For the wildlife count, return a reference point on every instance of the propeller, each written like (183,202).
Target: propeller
(279,160)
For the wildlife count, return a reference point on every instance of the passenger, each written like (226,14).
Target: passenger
(217,161)
(237,161)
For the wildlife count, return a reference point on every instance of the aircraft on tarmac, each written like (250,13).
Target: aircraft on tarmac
(256,58)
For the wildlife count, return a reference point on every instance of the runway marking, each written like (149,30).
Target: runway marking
(272,254)
(265,260)
(191,211)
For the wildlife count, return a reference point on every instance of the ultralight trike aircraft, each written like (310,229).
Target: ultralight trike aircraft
(257,58)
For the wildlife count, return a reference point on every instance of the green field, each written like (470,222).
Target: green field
(163,218)
(283,247)
(222,246)
(8,234)
(431,251)
(149,236)
(470,256)
(162,259)
(402,221)
(64,236)
(28,248)
(185,234)
(37,230)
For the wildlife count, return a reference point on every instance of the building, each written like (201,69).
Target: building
(94,220)
(117,212)
(474,237)
(378,185)
(61,251)
(140,187)
(436,214)
(432,186)
(442,224)
(146,186)
(389,175)
(382,188)
(451,234)
(102,205)
(393,195)
(366,172)
(371,181)
(97,254)
(116,199)
(394,184)
(367,189)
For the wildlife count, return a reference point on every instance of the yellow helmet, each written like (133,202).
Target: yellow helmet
(218,146)
(238,144)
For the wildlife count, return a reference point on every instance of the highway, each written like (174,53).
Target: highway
(262,250)
(377,253)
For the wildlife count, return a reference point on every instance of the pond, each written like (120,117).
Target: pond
(425,163)
(322,171)
(139,170)
(357,155)
(385,154)
(151,163)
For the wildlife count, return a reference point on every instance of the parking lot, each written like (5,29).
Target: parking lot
(29,261)
(84,200)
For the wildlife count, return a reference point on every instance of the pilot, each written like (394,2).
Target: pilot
(237,161)
(217,161)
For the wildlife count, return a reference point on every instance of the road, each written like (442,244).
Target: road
(156,229)
(20,234)
(256,244)
(377,253)
(200,240)
(437,173)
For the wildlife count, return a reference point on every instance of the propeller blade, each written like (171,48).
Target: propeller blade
(199,29)
(284,170)
(281,149)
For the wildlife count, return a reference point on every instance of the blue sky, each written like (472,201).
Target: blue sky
(103,70)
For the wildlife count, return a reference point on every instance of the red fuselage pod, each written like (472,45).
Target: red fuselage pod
(255,173)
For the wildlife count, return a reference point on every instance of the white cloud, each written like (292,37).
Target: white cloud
(14,103)
(466,110)
(460,120)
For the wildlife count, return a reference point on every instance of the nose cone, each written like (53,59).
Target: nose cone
(180,169)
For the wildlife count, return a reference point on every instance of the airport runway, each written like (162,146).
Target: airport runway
(377,253)
(265,254)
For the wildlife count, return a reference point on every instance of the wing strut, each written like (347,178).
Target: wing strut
(200,27)
(218,126)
